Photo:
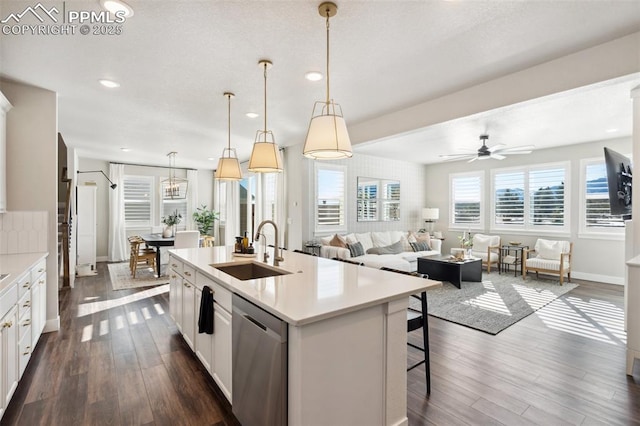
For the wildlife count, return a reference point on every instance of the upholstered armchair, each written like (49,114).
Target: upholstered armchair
(549,257)
(487,248)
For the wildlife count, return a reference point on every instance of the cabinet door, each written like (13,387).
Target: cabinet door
(222,350)
(188,315)
(204,341)
(42,284)
(9,355)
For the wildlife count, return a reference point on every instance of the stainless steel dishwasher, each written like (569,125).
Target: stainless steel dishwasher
(259,365)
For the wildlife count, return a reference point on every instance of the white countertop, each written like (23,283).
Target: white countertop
(316,289)
(17,264)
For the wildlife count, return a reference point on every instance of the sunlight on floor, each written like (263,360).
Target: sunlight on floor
(103,305)
(594,319)
(490,301)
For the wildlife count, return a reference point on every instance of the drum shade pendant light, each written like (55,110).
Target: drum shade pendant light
(265,156)
(228,166)
(327,137)
(174,188)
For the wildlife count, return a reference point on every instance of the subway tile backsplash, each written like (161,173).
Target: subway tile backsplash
(23,232)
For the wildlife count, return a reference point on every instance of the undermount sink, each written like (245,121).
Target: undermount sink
(249,270)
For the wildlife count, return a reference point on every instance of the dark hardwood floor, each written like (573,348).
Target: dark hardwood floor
(118,360)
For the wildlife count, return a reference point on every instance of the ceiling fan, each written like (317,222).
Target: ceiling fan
(497,152)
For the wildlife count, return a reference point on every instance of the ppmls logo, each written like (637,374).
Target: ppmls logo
(40,20)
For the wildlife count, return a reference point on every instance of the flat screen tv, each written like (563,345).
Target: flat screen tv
(619,182)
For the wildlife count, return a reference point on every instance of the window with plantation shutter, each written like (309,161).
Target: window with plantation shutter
(330,198)
(138,200)
(596,214)
(466,199)
(530,198)
(547,197)
(508,198)
(172,206)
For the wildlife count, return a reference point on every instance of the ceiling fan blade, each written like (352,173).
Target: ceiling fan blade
(517,149)
(497,156)
(456,156)
(473,159)
(496,147)
(515,152)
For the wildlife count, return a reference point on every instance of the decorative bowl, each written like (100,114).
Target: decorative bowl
(515,243)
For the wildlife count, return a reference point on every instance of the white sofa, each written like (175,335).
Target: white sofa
(407,260)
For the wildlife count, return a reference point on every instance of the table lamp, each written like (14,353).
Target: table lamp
(430,215)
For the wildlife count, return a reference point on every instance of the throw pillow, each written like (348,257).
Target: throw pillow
(338,241)
(394,248)
(420,246)
(550,250)
(365,240)
(356,249)
(481,243)
(420,236)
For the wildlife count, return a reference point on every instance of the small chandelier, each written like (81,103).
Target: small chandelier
(228,165)
(265,156)
(173,187)
(327,137)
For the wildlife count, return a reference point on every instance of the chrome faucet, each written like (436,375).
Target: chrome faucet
(276,258)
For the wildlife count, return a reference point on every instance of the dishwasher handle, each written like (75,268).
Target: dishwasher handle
(248,317)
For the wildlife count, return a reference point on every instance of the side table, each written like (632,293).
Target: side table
(512,255)
(313,248)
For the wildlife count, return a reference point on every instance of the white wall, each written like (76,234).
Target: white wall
(593,259)
(32,178)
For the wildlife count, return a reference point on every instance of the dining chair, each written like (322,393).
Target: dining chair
(140,257)
(187,239)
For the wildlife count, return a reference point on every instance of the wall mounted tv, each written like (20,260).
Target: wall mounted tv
(619,182)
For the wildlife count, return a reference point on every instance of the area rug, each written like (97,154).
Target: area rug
(494,304)
(121,277)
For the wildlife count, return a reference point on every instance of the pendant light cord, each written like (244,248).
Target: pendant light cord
(328,98)
(229,125)
(265,99)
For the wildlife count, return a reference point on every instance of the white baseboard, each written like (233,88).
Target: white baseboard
(598,278)
(52,325)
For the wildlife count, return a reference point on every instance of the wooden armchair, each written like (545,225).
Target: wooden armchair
(549,257)
(487,248)
(145,257)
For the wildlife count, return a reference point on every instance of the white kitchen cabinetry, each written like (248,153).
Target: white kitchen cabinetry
(86,226)
(5,106)
(38,301)
(213,350)
(9,354)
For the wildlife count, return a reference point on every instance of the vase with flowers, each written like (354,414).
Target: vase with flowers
(170,222)
(466,242)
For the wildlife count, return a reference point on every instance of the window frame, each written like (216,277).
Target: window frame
(480,174)
(152,202)
(327,229)
(526,227)
(584,231)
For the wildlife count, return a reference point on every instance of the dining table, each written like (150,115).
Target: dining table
(157,241)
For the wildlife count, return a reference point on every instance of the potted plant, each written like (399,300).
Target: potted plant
(204,219)
(171,221)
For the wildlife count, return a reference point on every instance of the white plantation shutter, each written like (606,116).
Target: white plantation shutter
(330,198)
(508,197)
(171,206)
(546,197)
(466,196)
(597,213)
(137,200)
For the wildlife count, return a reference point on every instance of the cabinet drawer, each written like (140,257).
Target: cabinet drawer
(25,324)
(24,284)
(176,265)
(24,304)
(8,300)
(189,273)
(222,296)
(38,270)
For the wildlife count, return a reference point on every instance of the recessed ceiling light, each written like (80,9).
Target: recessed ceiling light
(251,115)
(109,83)
(114,6)
(314,76)
(211,158)
(125,149)
(611,130)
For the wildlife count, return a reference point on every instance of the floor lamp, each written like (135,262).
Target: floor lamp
(430,215)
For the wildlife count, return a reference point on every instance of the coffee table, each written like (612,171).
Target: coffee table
(442,268)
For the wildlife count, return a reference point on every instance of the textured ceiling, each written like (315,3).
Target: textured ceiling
(174,60)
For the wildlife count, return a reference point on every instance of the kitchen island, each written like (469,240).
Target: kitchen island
(347,351)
